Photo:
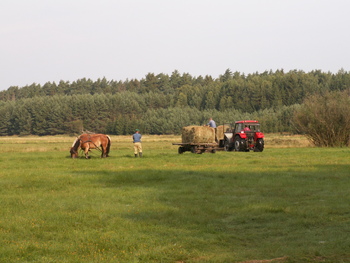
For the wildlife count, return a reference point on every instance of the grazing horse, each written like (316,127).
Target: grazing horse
(86,142)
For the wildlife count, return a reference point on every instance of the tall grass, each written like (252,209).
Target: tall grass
(282,205)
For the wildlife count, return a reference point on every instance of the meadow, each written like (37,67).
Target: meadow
(289,203)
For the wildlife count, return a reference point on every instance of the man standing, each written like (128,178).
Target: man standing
(211,123)
(137,143)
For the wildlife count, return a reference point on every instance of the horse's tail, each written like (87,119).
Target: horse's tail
(108,145)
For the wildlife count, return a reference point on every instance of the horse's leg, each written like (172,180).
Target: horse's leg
(102,144)
(103,154)
(108,145)
(105,148)
(87,148)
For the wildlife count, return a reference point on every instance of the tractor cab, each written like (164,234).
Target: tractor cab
(246,127)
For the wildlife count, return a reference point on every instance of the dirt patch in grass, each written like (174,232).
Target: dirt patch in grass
(274,260)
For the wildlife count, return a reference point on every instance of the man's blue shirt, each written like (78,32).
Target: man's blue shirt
(137,137)
(212,124)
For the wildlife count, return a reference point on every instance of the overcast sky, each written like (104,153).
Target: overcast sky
(52,40)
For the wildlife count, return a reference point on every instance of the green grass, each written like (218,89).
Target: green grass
(281,205)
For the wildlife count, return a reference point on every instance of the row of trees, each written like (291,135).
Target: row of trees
(162,104)
(248,93)
(119,114)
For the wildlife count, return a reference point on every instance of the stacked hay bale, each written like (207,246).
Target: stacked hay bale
(198,134)
(220,131)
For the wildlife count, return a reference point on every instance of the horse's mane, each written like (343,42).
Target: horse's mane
(76,143)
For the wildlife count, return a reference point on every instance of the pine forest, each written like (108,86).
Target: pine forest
(163,104)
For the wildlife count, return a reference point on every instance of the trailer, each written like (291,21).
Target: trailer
(202,147)
(197,147)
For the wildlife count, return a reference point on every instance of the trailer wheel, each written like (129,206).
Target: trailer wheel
(194,149)
(181,150)
(227,147)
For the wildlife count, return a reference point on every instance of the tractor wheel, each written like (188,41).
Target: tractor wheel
(239,144)
(259,146)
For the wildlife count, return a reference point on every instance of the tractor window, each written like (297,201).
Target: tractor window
(239,127)
(255,128)
(247,127)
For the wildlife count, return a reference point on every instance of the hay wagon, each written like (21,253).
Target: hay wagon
(201,139)
(244,137)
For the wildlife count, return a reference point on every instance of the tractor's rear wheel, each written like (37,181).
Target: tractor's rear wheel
(259,145)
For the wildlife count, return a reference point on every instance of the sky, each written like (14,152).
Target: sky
(50,40)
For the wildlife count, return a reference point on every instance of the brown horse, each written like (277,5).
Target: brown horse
(86,142)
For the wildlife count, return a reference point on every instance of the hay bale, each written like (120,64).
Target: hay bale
(221,130)
(198,134)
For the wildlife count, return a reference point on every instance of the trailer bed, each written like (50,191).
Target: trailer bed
(198,147)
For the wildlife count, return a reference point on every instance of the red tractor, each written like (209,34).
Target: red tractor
(244,137)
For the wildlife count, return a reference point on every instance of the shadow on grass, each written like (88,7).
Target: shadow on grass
(259,214)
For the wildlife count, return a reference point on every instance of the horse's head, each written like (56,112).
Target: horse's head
(73,153)
(74,149)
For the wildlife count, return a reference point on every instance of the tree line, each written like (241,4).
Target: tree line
(162,104)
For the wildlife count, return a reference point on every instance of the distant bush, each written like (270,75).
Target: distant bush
(325,119)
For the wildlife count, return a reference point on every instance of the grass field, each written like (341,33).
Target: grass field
(289,203)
